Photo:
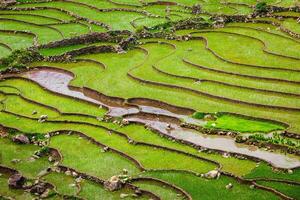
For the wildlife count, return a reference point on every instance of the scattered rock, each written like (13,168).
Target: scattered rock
(125,122)
(68,173)
(229,186)
(138,192)
(15,161)
(240,139)
(45,194)
(21,139)
(43,118)
(213,174)
(34,112)
(209,117)
(290,171)
(51,159)
(123,196)
(125,171)
(42,173)
(169,126)
(16,181)
(105,149)
(113,184)
(38,188)
(226,155)
(252,186)
(74,174)
(78,180)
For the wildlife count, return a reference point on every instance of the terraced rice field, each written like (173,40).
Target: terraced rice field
(146,99)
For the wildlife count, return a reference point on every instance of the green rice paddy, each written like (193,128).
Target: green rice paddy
(144,91)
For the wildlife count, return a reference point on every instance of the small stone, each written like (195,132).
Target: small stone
(123,196)
(229,186)
(226,155)
(68,173)
(42,173)
(72,185)
(105,149)
(78,180)
(138,192)
(45,194)
(43,118)
(252,186)
(50,159)
(125,122)
(209,117)
(169,126)
(213,174)
(290,171)
(34,112)
(113,184)
(125,171)
(15,161)
(74,174)
(16,181)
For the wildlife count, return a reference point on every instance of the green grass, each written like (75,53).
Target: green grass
(10,39)
(10,151)
(86,157)
(265,171)
(62,182)
(45,34)
(64,104)
(164,192)
(244,125)
(252,55)
(200,188)
(287,189)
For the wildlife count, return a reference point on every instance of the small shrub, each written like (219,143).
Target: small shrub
(199,115)
(19,58)
(261,7)
(43,151)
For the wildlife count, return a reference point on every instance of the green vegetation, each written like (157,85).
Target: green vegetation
(201,188)
(229,122)
(19,58)
(112,122)
(261,7)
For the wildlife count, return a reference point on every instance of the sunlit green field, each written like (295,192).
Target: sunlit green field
(193,94)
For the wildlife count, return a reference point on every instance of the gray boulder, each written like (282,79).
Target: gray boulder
(113,184)
(16,181)
(21,139)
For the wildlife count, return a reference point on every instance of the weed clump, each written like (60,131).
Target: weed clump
(261,7)
(19,58)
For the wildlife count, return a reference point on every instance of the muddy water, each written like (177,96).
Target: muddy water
(223,143)
(57,81)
